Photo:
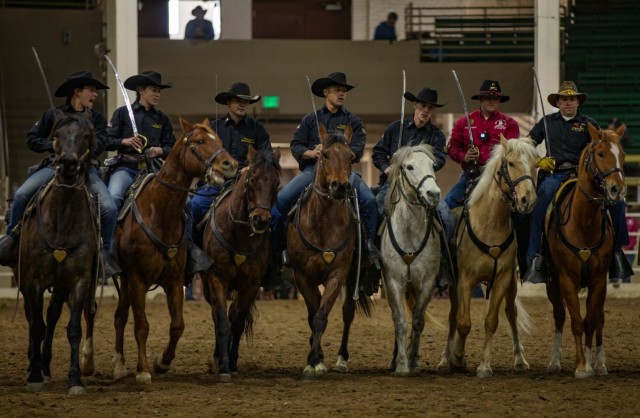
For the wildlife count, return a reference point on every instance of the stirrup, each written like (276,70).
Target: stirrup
(110,265)
(8,247)
(534,273)
(197,260)
(374,254)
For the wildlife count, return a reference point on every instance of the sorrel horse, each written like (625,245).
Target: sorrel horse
(59,250)
(151,243)
(321,240)
(487,253)
(236,237)
(581,243)
(410,248)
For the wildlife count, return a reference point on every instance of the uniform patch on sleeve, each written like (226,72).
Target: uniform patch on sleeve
(157,125)
(248,140)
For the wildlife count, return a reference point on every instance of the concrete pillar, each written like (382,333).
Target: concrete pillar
(122,44)
(547,51)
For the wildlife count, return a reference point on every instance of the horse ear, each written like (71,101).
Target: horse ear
(593,131)
(206,122)
(277,153)
(503,140)
(323,133)
(348,133)
(621,130)
(186,126)
(252,154)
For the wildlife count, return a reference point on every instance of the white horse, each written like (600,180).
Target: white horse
(410,247)
(486,252)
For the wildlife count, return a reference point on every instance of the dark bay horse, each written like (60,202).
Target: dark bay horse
(581,241)
(237,238)
(321,241)
(59,250)
(151,244)
(486,252)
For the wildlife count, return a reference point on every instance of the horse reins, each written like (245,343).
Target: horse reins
(503,175)
(598,177)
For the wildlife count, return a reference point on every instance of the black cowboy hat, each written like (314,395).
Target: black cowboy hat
(425,95)
(333,79)
(198,11)
(491,88)
(146,78)
(567,88)
(78,79)
(237,91)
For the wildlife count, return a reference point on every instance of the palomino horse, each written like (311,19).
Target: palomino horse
(321,240)
(60,250)
(410,248)
(236,237)
(152,248)
(487,253)
(581,243)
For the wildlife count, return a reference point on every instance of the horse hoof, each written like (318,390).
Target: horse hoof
(160,367)
(341,365)
(401,372)
(443,366)
(47,380)
(521,366)
(224,377)
(321,369)
(484,373)
(583,375)
(144,378)
(77,390)
(309,373)
(601,371)
(34,387)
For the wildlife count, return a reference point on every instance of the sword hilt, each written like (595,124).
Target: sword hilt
(145,142)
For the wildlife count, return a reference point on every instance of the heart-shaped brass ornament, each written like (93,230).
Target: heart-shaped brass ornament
(584,254)
(59,255)
(408,258)
(171,252)
(239,259)
(328,256)
(495,251)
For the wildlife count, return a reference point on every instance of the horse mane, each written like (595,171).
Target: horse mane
(395,175)
(499,151)
(83,121)
(267,158)
(336,137)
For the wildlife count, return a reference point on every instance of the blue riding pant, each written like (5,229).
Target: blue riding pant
(197,207)
(121,179)
(108,212)
(546,191)
(455,197)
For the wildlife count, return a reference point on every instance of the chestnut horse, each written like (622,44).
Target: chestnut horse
(60,250)
(236,237)
(581,240)
(486,252)
(321,241)
(152,248)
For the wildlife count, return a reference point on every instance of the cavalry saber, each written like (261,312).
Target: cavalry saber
(127,103)
(464,106)
(356,292)
(404,88)
(313,103)
(44,77)
(544,120)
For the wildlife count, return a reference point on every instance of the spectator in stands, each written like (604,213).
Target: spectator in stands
(568,135)
(199,28)
(386,30)
(487,123)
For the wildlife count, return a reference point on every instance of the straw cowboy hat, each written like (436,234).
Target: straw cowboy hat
(426,95)
(146,78)
(491,88)
(237,91)
(333,79)
(567,89)
(78,79)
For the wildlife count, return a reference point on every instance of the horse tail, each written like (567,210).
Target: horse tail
(364,304)
(429,320)
(524,322)
(249,319)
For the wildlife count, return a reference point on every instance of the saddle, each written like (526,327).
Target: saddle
(227,188)
(143,178)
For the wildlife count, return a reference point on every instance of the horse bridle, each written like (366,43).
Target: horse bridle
(503,175)
(598,176)
(328,194)
(250,205)
(416,189)
(80,180)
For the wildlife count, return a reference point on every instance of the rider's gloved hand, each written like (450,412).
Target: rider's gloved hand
(547,164)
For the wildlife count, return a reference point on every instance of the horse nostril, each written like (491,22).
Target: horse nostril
(614,190)
(524,200)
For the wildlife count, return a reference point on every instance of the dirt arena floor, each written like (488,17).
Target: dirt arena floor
(270,384)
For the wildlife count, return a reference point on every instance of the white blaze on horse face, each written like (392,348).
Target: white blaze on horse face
(615,150)
(212,136)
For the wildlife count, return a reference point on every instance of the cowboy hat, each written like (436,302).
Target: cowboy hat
(567,89)
(77,80)
(198,11)
(491,88)
(333,79)
(237,91)
(426,95)
(146,78)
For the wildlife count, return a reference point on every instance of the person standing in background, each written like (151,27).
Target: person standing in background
(199,28)
(386,30)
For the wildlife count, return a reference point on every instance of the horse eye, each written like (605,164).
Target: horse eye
(409,167)
(511,164)
(600,154)
(325,155)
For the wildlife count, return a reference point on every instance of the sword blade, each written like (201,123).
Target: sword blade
(404,88)
(44,77)
(125,96)
(464,106)
(313,104)
(544,120)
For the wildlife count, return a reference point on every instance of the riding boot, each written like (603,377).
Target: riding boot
(111,267)
(273,278)
(8,249)
(197,260)
(536,273)
(446,277)
(620,268)
(374,254)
